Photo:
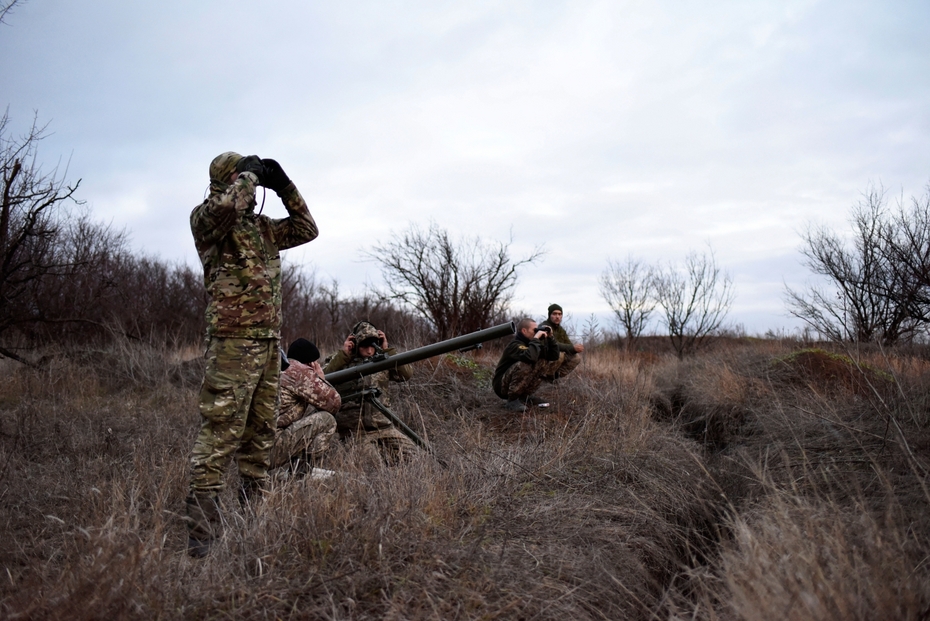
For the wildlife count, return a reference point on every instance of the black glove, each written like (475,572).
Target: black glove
(252,164)
(275,177)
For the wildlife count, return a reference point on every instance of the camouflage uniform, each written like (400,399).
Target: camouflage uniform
(242,274)
(305,419)
(569,359)
(523,365)
(359,417)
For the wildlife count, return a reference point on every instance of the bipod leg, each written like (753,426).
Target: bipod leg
(407,431)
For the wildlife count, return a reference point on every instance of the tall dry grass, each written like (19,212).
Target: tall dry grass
(720,487)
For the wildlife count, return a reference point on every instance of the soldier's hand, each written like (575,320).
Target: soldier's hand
(275,177)
(540,334)
(252,164)
(383,339)
(315,365)
(349,346)
(579,348)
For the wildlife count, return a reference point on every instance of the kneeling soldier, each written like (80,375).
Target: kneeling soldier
(569,353)
(305,415)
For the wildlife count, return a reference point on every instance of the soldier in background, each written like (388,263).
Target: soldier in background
(305,413)
(360,416)
(569,353)
(239,250)
(530,357)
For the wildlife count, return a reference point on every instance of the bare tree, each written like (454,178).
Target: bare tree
(63,275)
(457,287)
(867,295)
(33,226)
(628,288)
(694,301)
(907,248)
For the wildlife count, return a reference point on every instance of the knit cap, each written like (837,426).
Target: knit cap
(303,351)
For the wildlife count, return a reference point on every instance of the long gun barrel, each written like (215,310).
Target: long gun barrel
(385,362)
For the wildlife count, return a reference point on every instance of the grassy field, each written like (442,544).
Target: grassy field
(757,480)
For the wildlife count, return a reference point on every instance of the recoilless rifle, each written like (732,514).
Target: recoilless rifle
(384,362)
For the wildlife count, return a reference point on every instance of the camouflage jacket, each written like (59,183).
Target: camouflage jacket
(522,349)
(304,392)
(360,412)
(560,336)
(240,254)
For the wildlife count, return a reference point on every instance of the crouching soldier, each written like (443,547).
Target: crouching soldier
(569,353)
(364,400)
(305,415)
(529,358)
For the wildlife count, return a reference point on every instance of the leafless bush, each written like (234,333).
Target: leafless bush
(878,289)
(34,229)
(694,301)
(63,276)
(628,288)
(458,287)
(322,314)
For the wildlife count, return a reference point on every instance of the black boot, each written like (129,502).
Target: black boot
(203,522)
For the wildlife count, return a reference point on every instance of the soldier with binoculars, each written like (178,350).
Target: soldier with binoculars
(240,252)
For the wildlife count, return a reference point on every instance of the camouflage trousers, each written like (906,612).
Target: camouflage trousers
(523,379)
(311,434)
(567,364)
(238,401)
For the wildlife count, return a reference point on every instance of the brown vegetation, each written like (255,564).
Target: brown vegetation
(719,487)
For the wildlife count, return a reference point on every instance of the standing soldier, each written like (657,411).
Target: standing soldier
(239,250)
(569,353)
(362,399)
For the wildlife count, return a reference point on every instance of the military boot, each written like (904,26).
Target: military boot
(203,522)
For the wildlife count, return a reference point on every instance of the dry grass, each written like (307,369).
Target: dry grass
(712,488)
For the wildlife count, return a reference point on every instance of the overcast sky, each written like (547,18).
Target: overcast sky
(596,129)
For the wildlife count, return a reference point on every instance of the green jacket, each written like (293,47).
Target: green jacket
(356,413)
(560,336)
(522,349)
(239,250)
